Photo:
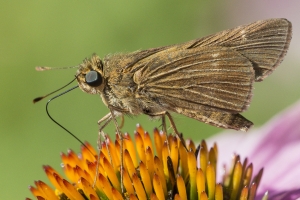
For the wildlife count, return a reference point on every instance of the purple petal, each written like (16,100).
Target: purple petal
(274,147)
(282,195)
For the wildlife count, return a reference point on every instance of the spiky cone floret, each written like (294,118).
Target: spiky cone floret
(173,173)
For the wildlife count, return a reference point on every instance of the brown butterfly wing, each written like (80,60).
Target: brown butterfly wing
(210,79)
(211,76)
(264,43)
(196,82)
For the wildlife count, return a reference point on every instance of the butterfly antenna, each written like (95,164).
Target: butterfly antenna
(44,68)
(42,97)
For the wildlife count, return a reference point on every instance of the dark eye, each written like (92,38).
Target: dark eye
(93,78)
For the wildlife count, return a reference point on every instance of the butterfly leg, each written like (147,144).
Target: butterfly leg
(163,115)
(103,122)
(114,113)
(106,119)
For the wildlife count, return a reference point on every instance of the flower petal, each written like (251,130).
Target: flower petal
(272,147)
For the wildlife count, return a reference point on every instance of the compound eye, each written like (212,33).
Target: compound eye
(93,78)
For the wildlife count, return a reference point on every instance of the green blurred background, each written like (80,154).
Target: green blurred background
(63,33)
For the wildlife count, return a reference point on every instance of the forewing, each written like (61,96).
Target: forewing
(264,43)
(197,78)
(210,79)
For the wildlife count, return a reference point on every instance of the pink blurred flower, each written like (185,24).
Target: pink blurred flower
(274,147)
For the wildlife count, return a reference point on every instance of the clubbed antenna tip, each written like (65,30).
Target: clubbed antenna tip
(42,68)
(37,99)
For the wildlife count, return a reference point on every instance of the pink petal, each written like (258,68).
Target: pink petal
(275,147)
